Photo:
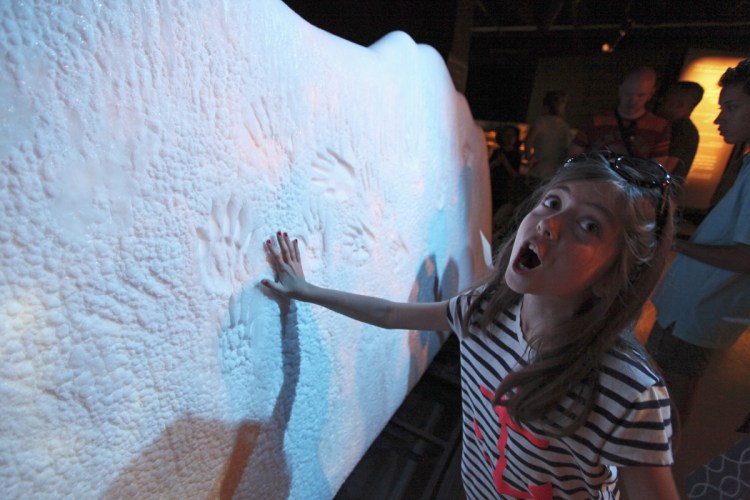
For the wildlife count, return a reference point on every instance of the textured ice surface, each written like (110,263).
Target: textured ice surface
(148,149)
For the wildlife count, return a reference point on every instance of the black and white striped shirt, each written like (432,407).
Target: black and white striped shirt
(630,424)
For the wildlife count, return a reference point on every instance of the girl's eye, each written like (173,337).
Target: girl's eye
(552,202)
(590,226)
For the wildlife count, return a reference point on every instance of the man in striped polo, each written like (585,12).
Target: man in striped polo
(629,129)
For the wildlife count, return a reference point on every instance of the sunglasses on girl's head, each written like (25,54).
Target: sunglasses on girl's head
(637,171)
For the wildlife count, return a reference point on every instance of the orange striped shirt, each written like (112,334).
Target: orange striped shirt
(648,137)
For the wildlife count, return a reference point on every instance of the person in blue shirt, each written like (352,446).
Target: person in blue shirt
(703,303)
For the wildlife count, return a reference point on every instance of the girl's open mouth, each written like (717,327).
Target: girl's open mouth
(528,258)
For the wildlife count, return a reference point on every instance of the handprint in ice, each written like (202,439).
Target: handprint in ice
(223,245)
(264,149)
(399,251)
(260,125)
(359,241)
(238,337)
(334,176)
(314,239)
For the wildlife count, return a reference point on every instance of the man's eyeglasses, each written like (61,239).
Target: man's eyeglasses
(637,171)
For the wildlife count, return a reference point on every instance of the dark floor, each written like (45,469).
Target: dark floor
(418,454)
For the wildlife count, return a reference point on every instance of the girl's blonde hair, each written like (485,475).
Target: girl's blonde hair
(566,359)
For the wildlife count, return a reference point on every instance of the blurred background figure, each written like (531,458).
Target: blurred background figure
(677,106)
(504,166)
(508,187)
(630,129)
(548,139)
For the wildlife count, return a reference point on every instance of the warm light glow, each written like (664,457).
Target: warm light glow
(713,153)
(490,138)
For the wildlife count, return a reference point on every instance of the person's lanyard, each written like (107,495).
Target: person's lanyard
(627,134)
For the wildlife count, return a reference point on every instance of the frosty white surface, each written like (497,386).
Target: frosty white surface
(147,152)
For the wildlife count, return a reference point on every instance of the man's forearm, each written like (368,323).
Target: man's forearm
(730,257)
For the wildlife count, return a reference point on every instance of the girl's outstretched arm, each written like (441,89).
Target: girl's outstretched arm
(290,282)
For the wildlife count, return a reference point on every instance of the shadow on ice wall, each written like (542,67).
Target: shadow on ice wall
(257,452)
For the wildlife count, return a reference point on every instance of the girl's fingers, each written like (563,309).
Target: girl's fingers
(273,286)
(289,252)
(280,242)
(290,248)
(270,249)
(295,248)
(285,260)
(275,260)
(290,245)
(283,246)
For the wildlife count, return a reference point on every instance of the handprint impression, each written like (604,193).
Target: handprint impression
(223,245)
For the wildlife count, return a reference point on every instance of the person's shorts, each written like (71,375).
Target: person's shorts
(675,355)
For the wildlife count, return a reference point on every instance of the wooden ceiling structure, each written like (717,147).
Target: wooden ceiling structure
(566,27)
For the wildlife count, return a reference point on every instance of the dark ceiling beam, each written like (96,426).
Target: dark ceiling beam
(549,13)
(594,27)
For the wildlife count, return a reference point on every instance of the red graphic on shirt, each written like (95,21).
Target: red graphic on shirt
(542,492)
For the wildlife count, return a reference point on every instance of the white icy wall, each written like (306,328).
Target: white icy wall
(147,152)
